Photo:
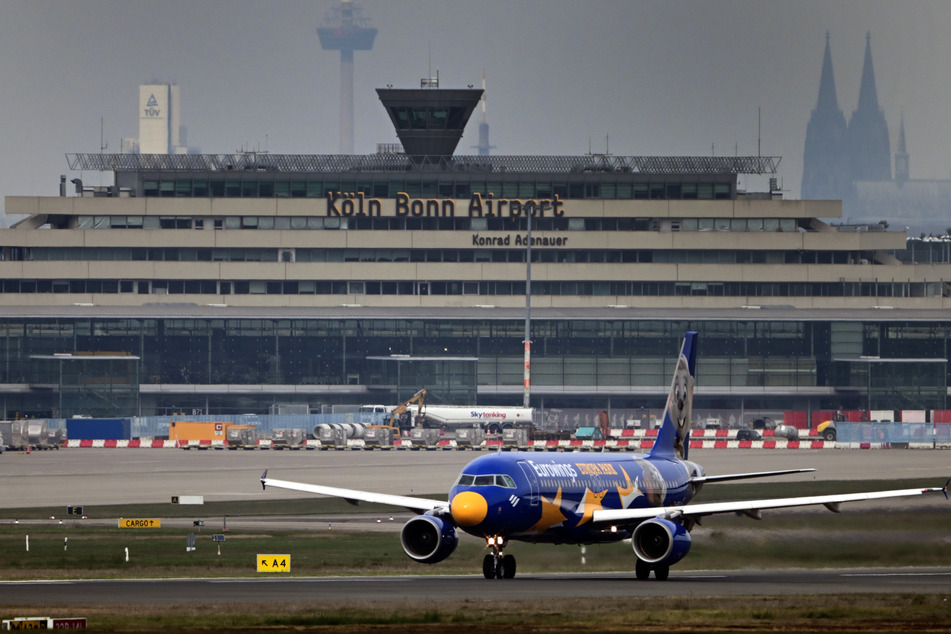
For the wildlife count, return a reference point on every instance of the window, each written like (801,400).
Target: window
(505,481)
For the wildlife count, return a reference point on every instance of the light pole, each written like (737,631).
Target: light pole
(529,210)
(527,373)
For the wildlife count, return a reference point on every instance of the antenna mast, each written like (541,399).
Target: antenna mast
(102,144)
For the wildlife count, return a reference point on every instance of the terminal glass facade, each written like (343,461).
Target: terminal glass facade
(575,362)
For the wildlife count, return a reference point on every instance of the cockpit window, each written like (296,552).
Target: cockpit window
(502,480)
(505,481)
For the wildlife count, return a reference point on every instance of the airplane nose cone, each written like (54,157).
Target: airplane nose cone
(468,508)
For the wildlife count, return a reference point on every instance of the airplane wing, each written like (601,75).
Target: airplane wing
(752,507)
(744,476)
(355,497)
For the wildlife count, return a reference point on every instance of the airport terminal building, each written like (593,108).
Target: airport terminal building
(226,284)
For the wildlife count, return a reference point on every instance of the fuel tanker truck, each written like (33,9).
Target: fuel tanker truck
(491,418)
(416,413)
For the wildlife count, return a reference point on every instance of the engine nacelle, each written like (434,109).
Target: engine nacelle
(660,541)
(428,539)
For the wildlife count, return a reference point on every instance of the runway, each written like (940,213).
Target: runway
(437,589)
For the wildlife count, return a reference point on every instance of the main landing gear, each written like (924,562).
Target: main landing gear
(642,570)
(495,565)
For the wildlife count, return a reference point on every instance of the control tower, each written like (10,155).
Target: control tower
(429,121)
(346,30)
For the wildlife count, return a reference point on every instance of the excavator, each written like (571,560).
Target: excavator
(401,418)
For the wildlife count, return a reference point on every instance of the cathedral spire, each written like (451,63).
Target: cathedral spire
(825,173)
(901,134)
(827,102)
(868,95)
(869,145)
(901,155)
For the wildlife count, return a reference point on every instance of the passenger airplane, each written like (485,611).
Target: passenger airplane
(583,498)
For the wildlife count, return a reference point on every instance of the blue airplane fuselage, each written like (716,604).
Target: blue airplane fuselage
(540,497)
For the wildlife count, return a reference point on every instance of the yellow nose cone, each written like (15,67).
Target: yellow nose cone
(468,508)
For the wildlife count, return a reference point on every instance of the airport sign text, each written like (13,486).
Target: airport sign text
(274,563)
(519,241)
(140,523)
(346,205)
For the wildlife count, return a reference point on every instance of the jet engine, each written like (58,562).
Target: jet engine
(660,541)
(428,539)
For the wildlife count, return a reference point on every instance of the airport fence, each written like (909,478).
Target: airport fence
(157,426)
(894,432)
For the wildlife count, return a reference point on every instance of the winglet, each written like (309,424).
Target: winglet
(263,476)
(944,489)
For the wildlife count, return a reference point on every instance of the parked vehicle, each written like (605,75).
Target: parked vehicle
(748,434)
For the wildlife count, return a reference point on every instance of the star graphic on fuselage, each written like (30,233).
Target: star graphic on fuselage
(629,493)
(551,515)
(591,503)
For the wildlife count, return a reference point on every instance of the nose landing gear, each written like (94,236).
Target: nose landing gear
(495,565)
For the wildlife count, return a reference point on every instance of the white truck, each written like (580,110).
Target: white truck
(491,418)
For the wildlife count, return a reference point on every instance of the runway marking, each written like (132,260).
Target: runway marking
(896,574)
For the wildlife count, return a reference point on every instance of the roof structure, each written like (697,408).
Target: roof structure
(353,164)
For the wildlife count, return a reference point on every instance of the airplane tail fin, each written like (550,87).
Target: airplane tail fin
(673,440)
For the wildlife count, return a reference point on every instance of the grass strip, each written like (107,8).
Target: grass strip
(71,550)
(815,613)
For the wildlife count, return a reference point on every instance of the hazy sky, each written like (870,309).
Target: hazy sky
(672,77)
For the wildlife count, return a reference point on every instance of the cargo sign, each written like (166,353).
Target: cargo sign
(274,563)
(140,523)
(27,623)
